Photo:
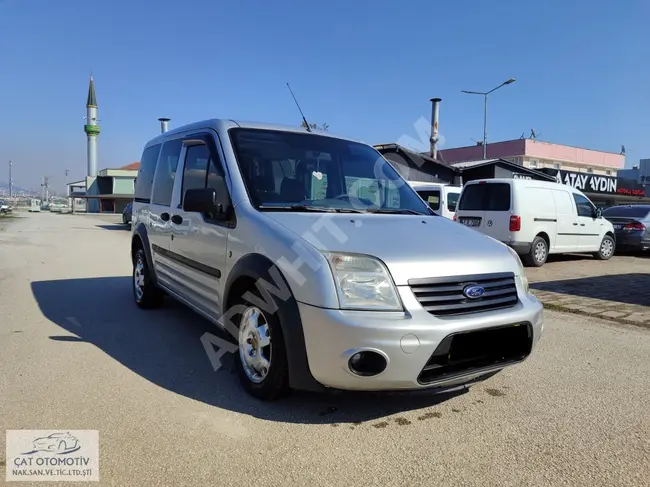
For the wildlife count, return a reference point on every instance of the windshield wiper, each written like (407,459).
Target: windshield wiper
(397,211)
(319,209)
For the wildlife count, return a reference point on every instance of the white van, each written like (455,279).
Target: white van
(536,218)
(442,198)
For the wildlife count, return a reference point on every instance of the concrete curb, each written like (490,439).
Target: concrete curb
(600,316)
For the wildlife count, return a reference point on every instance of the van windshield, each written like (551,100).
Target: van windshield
(485,197)
(293,171)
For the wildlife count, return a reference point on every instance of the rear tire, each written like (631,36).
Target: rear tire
(607,248)
(145,292)
(255,328)
(538,253)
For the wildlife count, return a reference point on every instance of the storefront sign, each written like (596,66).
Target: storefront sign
(593,183)
(518,175)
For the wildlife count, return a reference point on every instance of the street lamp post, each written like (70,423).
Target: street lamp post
(485,97)
(11,182)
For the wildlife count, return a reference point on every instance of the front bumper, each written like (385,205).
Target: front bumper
(406,340)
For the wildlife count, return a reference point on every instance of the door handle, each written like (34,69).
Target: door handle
(575,224)
(582,224)
(177,219)
(164,216)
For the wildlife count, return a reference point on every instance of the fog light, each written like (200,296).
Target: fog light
(367,363)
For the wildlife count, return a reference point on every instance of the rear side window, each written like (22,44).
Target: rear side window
(163,183)
(485,197)
(146,173)
(432,197)
(452,201)
(637,212)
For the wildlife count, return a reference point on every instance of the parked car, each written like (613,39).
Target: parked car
(536,218)
(441,198)
(127,214)
(5,208)
(631,226)
(264,231)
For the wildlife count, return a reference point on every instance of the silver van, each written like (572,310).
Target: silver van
(325,266)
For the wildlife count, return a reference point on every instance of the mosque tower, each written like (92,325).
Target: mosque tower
(92,129)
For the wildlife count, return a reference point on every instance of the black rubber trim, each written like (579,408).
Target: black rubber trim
(550,220)
(256,266)
(141,232)
(468,278)
(146,201)
(522,248)
(211,271)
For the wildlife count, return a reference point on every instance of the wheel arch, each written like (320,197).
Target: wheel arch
(255,271)
(140,240)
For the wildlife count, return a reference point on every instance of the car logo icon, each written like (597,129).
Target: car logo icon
(473,291)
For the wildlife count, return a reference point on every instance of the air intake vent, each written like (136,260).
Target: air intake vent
(447,296)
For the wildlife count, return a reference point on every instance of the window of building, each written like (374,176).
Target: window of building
(590,169)
(166,173)
(533,163)
(584,206)
(144,180)
(608,172)
(557,165)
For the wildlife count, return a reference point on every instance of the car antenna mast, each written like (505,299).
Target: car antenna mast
(304,120)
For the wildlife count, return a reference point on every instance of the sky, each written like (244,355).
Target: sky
(366,68)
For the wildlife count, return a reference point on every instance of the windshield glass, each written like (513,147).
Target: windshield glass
(640,212)
(432,197)
(284,169)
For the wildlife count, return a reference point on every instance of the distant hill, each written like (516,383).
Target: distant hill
(4,188)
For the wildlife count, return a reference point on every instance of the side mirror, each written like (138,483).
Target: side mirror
(599,212)
(202,200)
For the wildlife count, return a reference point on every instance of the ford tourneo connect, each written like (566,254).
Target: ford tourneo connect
(325,266)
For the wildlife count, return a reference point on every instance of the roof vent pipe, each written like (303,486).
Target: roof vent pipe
(435,114)
(163,124)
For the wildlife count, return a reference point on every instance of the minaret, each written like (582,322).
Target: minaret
(91,128)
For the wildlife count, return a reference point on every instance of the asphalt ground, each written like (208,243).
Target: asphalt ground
(76,353)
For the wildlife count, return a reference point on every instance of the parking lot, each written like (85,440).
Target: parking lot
(76,353)
(616,289)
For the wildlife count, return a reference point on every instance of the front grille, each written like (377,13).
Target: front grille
(443,296)
(480,350)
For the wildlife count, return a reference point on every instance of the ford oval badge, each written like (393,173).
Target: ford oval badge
(473,291)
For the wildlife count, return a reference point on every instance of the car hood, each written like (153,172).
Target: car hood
(411,246)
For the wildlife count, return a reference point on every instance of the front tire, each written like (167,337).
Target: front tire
(538,253)
(607,248)
(262,359)
(145,292)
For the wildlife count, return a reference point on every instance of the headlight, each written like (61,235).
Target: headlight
(363,282)
(522,269)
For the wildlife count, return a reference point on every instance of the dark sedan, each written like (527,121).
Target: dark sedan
(631,225)
(127,214)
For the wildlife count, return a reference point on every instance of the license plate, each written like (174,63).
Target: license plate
(470,222)
(618,227)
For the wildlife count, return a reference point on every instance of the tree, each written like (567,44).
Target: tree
(315,126)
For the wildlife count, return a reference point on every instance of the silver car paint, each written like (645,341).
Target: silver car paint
(410,246)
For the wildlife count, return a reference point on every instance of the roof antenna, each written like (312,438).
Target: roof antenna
(304,120)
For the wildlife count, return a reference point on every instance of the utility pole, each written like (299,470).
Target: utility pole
(11,183)
(46,188)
